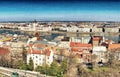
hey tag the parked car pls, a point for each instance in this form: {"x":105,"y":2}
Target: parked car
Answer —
{"x":100,"y":63}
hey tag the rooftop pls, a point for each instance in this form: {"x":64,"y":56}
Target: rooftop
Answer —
{"x":113,"y":46}
{"x":4,"y":51}
{"x":41,"y":52}
{"x":76,"y":44}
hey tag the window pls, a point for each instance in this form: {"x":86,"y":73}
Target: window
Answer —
{"x":47,"y":62}
{"x":40,"y":63}
{"x":36,"y":56}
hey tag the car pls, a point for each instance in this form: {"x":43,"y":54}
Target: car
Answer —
{"x":89,"y":65}
{"x":100,"y":64}
{"x":15,"y":74}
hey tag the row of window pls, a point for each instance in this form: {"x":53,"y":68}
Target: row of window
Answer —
{"x":41,"y":63}
{"x":34,"y":58}
{"x":37,"y":56}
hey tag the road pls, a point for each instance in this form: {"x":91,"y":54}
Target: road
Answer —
{"x":22,"y":73}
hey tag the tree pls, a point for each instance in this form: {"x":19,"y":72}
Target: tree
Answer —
{"x":22,"y":65}
{"x":64,"y":65}
{"x":82,"y":71}
{"x":42,"y":69}
{"x":24,"y":54}
{"x":31,"y":64}
{"x":54,"y":69}
{"x":4,"y":62}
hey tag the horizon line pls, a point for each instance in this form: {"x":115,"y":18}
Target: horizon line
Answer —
{"x":55,"y":21}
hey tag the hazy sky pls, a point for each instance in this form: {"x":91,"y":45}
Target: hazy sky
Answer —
{"x":64,"y":10}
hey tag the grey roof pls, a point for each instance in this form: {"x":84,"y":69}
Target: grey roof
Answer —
{"x":41,"y":42}
{"x":38,"y":48}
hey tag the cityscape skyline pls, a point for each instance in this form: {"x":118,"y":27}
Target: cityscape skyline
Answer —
{"x":51,"y":10}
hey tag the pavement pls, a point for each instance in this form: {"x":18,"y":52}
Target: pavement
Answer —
{"x":22,"y":73}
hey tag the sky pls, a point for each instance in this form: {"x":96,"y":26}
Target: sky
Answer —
{"x":60,"y":10}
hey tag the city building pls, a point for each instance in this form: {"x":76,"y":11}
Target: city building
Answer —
{"x":40,"y":54}
{"x":82,"y":51}
{"x":99,"y":51}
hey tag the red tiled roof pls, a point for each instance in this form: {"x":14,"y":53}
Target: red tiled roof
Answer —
{"x":47,"y":52}
{"x":113,"y":46}
{"x":96,"y":39}
{"x":76,"y":44}
{"x":4,"y":51}
{"x":42,"y":52}
{"x":37,"y":45}
{"x":30,"y":45}
{"x":76,"y":49}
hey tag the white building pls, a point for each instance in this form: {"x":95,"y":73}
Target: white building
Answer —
{"x":72,"y":29}
{"x":48,"y":28}
{"x":31,"y":40}
{"x":30,"y":27}
{"x":40,"y":55}
{"x":39,"y":51}
{"x":64,"y":44}
{"x":1,"y":26}
{"x":111,"y":29}
{"x":84,"y":29}
{"x":81,"y":39}
{"x":99,"y":51}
